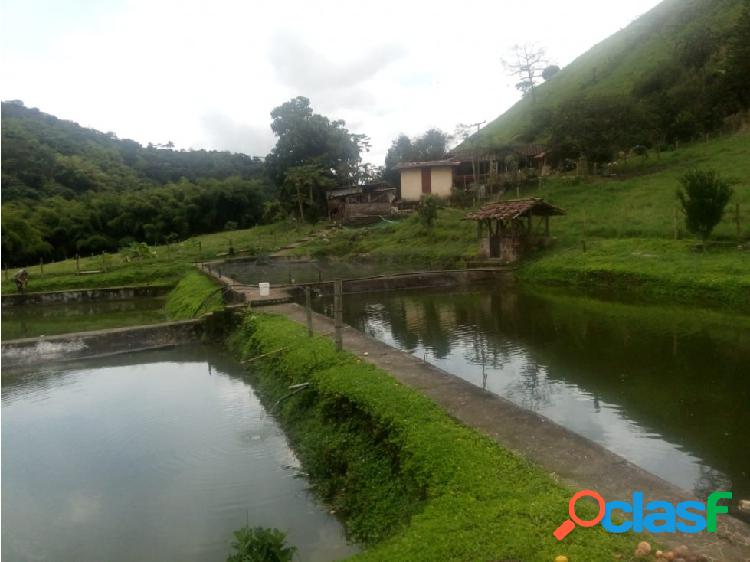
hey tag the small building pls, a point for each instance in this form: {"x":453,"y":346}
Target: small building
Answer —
{"x":426,"y":178}
{"x":361,"y":204}
{"x":510,"y":227}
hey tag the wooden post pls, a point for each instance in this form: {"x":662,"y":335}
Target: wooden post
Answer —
{"x":583,"y":240}
{"x":78,"y":264}
{"x":674,"y":221}
{"x":41,"y":267}
{"x":737,"y":222}
{"x":337,"y":311}
{"x":6,"y":271}
{"x":308,"y":311}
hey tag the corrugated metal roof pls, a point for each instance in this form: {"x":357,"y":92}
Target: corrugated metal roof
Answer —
{"x":430,"y":164}
{"x":508,"y":210}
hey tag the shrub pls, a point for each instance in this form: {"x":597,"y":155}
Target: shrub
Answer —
{"x":703,"y":195}
{"x":260,"y":545}
{"x":461,"y":198}
{"x":428,"y":211}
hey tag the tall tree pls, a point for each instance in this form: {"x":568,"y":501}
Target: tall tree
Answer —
{"x":526,"y":62}
{"x":311,"y":142}
{"x":432,"y":145}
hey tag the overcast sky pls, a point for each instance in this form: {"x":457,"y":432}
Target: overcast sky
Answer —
{"x":206,"y":74}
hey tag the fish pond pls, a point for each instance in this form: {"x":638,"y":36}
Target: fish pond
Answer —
{"x":157,"y":455}
{"x":34,"y":320}
{"x":667,"y":388}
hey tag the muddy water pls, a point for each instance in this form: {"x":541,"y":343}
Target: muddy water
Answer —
{"x":157,"y":456}
{"x":668,"y":388}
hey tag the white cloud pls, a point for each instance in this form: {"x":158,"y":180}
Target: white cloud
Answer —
{"x":207,"y":75}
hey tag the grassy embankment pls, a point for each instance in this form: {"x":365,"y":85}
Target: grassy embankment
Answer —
{"x":166,"y":267}
{"x":195,"y":294}
{"x":409,"y":481}
{"x":627,"y":222}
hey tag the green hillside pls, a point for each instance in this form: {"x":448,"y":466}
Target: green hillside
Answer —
{"x":46,"y":156}
{"x":628,"y":224}
{"x":70,"y":190}
{"x":680,"y":68}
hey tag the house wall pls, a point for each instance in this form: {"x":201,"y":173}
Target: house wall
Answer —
{"x":411,"y":184}
{"x":441,"y":179}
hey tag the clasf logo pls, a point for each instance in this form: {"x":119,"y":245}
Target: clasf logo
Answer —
{"x":655,"y":516}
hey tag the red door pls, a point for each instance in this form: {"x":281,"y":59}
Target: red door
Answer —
{"x":426,"y":180}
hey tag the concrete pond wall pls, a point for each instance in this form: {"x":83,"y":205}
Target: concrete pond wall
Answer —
{"x":82,"y":295}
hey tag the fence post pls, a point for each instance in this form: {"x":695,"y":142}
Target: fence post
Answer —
{"x":737,"y":222}
{"x":337,"y":311}
{"x":41,"y":267}
{"x":6,"y":271}
{"x":583,"y":240}
{"x":78,"y":264}
{"x":308,"y":311}
{"x":674,"y":221}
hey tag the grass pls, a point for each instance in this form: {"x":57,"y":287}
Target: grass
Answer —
{"x":195,"y":294}
{"x":628,"y":223}
{"x":445,"y":244}
{"x":612,"y":67}
{"x":166,"y":267}
{"x":411,"y":482}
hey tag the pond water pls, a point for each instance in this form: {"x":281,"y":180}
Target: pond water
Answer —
{"x":155,"y":456}
{"x":33,"y":320}
{"x":282,"y":272}
{"x":668,"y":388}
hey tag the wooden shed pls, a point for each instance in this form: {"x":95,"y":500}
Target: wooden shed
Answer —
{"x":509,"y":227}
{"x":361,"y":204}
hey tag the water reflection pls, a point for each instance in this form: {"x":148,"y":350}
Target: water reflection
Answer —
{"x":34,"y":320}
{"x":152,"y":456}
{"x":666,"y":388}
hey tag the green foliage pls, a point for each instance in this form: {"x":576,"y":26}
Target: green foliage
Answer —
{"x":454,"y":494}
{"x":428,"y":211}
{"x":629,"y":229}
{"x":446,"y":244}
{"x":737,"y":69}
{"x":160,"y":265}
{"x":260,"y":545}
{"x":69,"y":190}
{"x":432,"y":145}
{"x":686,"y":59}
{"x":194,"y":295}
{"x":137,"y":251}
{"x":597,"y":127}
{"x":703,"y":196}
{"x":311,"y":151}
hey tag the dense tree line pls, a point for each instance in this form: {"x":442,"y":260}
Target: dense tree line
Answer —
{"x":44,"y":155}
{"x":56,"y":227}
{"x":67,"y":189}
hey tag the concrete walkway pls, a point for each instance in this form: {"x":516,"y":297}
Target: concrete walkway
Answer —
{"x":573,"y":459}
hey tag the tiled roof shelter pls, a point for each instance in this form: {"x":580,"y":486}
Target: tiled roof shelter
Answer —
{"x":509,"y":226}
{"x":514,"y":209}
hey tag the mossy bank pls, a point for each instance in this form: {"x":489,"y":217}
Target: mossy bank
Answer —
{"x":195,"y":294}
{"x":410,"y":482}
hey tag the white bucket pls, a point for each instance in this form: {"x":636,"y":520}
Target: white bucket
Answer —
{"x":265,"y":289}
